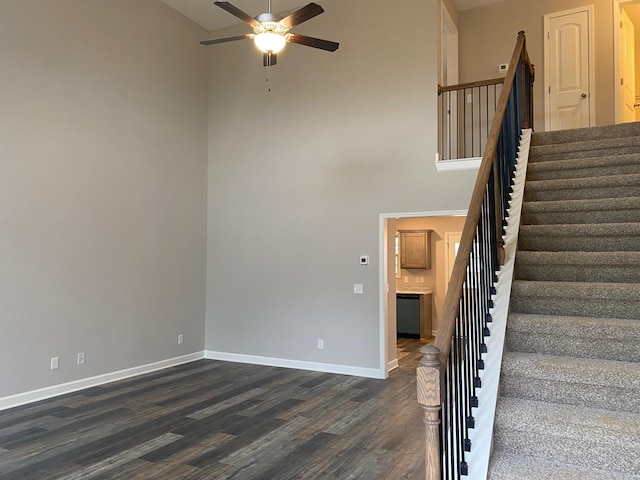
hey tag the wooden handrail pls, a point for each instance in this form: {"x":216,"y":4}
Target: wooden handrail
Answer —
{"x":446,"y":324}
{"x":462,"y":86}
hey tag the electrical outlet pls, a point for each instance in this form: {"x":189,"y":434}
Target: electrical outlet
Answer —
{"x":320,"y":344}
{"x":54,"y":363}
{"x":180,"y":339}
{"x":358,"y":288}
{"x":80,"y":358}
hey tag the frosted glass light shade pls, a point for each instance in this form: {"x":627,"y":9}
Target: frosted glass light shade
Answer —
{"x":270,"y":42}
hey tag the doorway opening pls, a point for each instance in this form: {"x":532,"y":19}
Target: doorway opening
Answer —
{"x":626,"y":41}
{"x":401,"y":284}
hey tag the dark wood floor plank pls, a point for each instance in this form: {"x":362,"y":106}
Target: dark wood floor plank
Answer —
{"x":109,"y":464}
{"x":225,"y":404}
{"x":224,"y":421}
{"x":275,"y":444}
{"x":188,"y":447}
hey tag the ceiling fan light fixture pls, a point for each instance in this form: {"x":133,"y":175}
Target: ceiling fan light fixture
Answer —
{"x":270,"y":42}
{"x":271,"y":31}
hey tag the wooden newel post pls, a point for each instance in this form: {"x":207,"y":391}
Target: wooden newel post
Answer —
{"x":429,"y":377}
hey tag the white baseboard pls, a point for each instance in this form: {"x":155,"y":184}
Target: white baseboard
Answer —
{"x":70,"y":387}
{"x":297,"y":364}
{"x":392,"y":365}
{"x":64,"y":388}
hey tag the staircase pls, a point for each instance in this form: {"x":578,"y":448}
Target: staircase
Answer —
{"x":569,"y":405}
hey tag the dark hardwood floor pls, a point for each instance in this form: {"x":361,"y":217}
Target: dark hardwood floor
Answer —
{"x":215,"y":420}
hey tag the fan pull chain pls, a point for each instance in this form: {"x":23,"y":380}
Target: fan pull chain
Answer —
{"x":268,"y":74}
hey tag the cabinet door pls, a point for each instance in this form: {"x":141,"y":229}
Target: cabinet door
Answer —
{"x":415,"y":249}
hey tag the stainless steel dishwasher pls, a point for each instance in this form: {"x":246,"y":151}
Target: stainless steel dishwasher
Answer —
{"x":408,"y":315}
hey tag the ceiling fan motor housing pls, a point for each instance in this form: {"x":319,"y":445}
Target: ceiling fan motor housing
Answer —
{"x":269,"y":23}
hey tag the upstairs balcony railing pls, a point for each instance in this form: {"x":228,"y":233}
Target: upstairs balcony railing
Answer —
{"x":449,"y":374}
{"x":465,"y":113}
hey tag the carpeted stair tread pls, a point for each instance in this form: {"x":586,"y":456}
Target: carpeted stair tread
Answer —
{"x":594,"y":438}
{"x":607,"y":186}
{"x":588,"y":382}
{"x":588,"y":133}
{"x":520,"y":467}
{"x":585,"y":149}
{"x":581,"y":337}
{"x":622,"y":236}
{"x":615,"y":267}
{"x":600,"y":210}
{"x":584,"y":167}
{"x":615,"y":300}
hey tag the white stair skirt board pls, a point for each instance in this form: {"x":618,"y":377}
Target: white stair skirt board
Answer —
{"x":297,"y":364}
{"x":482,"y":435}
{"x":70,"y":387}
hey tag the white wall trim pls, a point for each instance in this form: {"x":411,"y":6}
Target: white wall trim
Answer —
{"x":482,"y":435}
{"x":392,"y":365}
{"x":297,"y":364}
{"x":70,"y":387}
{"x":439,"y":213}
{"x":382,"y":326}
{"x":472,"y":163}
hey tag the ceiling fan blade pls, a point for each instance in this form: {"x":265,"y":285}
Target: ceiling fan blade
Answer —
{"x":269,"y":59}
{"x":245,"y":17}
{"x":313,"y":42}
{"x":305,"y":13}
{"x":226,"y":39}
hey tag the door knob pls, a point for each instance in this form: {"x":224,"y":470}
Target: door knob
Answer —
{"x":584,"y":95}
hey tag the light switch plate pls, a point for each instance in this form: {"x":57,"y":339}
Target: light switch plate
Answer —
{"x":358,"y":288}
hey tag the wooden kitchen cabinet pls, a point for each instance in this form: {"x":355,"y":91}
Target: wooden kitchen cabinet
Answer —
{"x":415,"y":249}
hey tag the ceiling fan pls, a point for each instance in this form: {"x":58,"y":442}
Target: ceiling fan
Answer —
{"x":271,"y":31}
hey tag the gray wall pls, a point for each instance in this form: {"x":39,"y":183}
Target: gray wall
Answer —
{"x":299,"y":176}
{"x":484,"y":45}
{"x":103,"y":165}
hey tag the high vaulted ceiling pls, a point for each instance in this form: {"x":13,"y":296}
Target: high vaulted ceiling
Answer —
{"x":205,"y":13}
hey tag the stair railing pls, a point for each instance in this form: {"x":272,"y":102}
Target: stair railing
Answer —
{"x":465,"y":113}
{"x":449,"y":372}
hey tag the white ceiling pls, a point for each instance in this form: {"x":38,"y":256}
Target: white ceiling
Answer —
{"x":211,"y":17}
{"x":469,"y":4}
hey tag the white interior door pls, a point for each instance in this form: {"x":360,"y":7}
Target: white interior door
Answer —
{"x":627,"y":68}
{"x":568,"y":69}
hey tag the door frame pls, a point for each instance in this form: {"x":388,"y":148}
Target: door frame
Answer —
{"x":387,"y":280}
{"x":592,"y":77}
{"x":617,"y":111}
{"x":447,"y":255}
{"x":449,"y":65}
{"x":449,"y":49}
